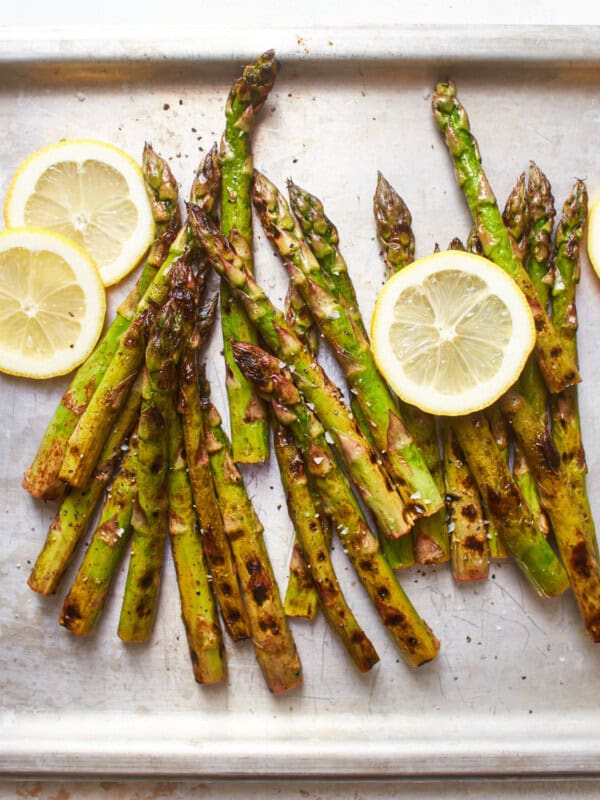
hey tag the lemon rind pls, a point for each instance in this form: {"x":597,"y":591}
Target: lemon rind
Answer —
{"x":425,"y":397}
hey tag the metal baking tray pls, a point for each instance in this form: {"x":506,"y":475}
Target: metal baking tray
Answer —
{"x":516,"y":687}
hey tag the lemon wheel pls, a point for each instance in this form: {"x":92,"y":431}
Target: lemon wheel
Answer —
{"x":451,"y":333}
{"x":91,"y":192}
{"x":52,"y":303}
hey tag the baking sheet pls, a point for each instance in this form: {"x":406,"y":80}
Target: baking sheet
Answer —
{"x":515,"y":688}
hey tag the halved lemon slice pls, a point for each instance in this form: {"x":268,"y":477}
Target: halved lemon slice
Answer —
{"x":52,"y":303}
{"x":451,"y":333}
{"x":593,"y":236}
{"x":92,"y":193}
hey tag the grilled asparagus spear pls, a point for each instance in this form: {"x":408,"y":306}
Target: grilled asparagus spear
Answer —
{"x":249,"y":424}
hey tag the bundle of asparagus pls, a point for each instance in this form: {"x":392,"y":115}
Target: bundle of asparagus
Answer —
{"x":138,"y":419}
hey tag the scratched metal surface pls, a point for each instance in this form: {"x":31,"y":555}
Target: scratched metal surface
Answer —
{"x":515,"y":689}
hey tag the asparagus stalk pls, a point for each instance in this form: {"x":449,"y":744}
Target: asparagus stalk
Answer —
{"x":566,"y":516}
{"x":400,"y":553}
{"x":214,"y":540}
{"x":538,"y":261}
{"x":473,"y":243}
{"x":469,"y":537}
{"x":301,"y":598}
{"x":77,"y":506}
{"x":151,"y":506}
{"x":496,"y":545}
{"x":315,"y":548}
{"x":566,"y":422}
{"x":374,"y":486}
{"x":393,"y":223}
{"x":300,"y":319}
{"x":85,"y":601}
{"x":500,"y":431}
{"x":42,"y":479}
{"x":248,"y":419}
{"x":557,"y":366}
{"x":273,"y":642}
{"x":519,"y":222}
{"x":198,"y":606}
{"x":92,"y":427}
{"x":322,"y":237}
{"x":411,"y":634}
{"x":400,"y":454}
{"x":504,"y":502}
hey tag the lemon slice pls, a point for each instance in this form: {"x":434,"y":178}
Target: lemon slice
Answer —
{"x":593,"y":236}
{"x":451,"y":333}
{"x":52,"y":303}
{"x":90,"y":192}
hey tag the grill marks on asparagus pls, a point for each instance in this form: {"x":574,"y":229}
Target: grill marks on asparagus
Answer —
{"x":504,"y":502}
{"x":78,"y":505}
{"x":85,"y":601}
{"x":273,"y":642}
{"x":312,"y":537}
{"x":528,"y":216}
{"x":469,"y":535}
